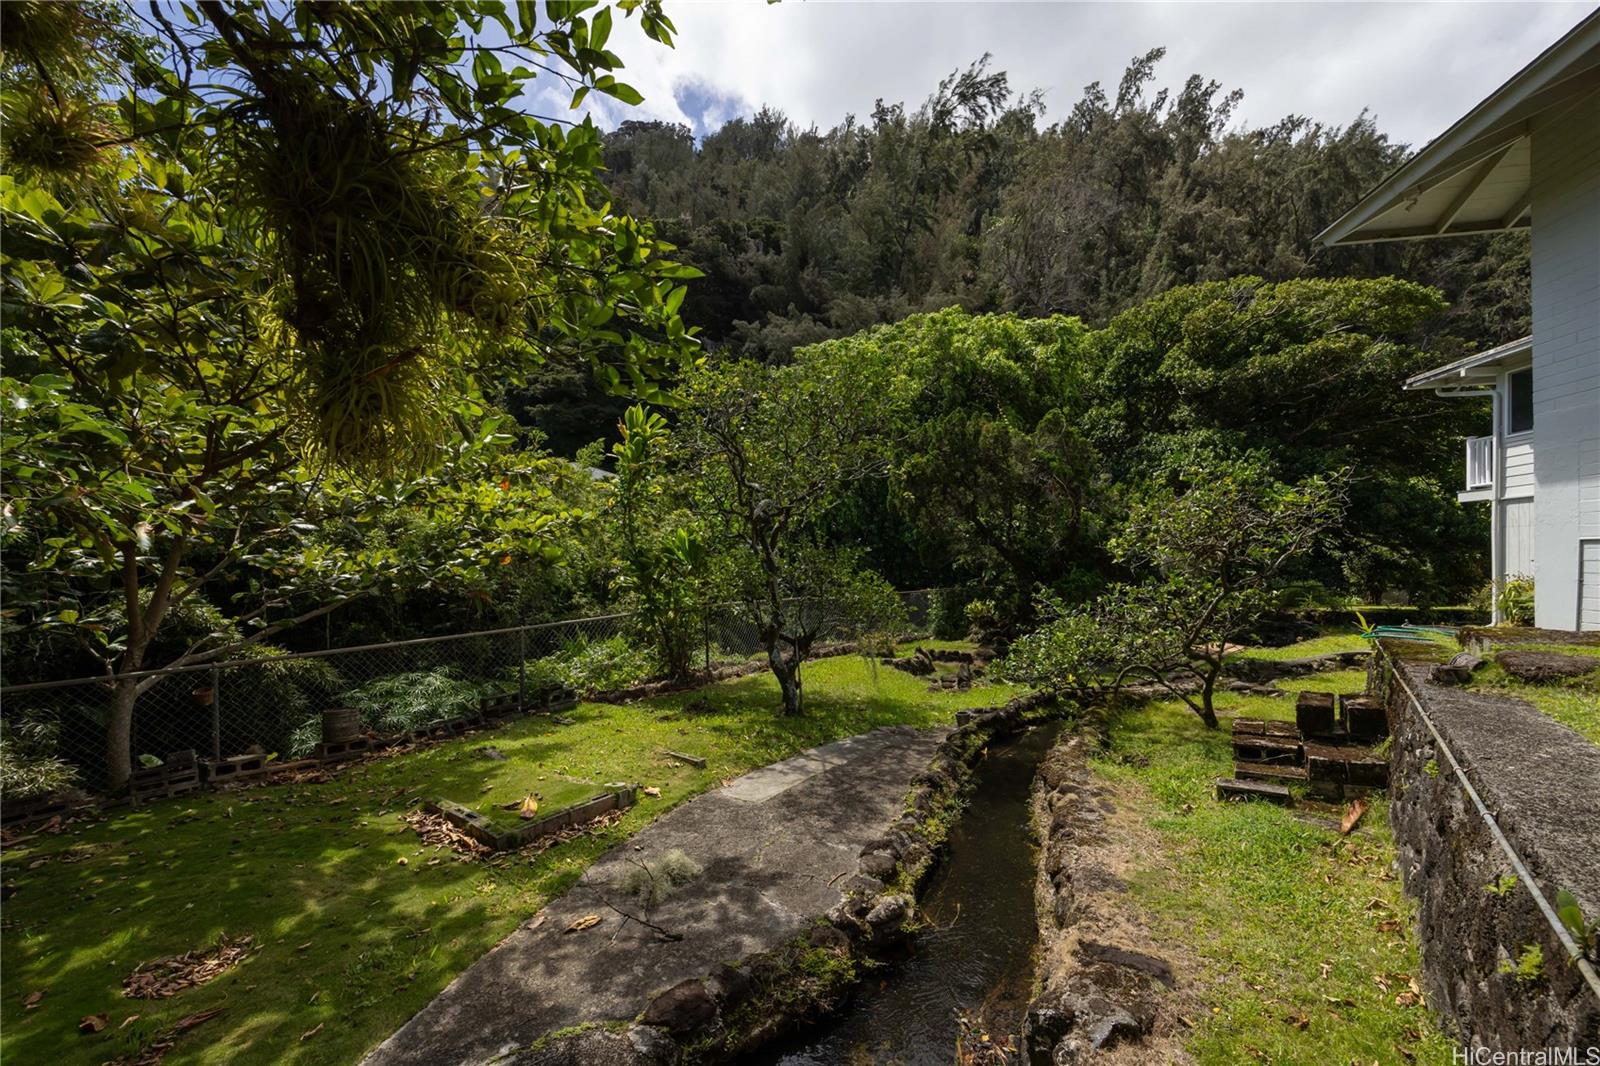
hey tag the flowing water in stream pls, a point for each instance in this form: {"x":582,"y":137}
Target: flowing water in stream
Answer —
{"x":977,"y":960}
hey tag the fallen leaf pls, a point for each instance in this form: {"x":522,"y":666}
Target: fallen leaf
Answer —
{"x":1299,"y":1021}
{"x":33,"y":999}
{"x":189,"y":1021}
{"x":652,"y":791}
{"x":1389,"y":925}
{"x":1352,"y":816}
{"x":588,"y":921}
{"x":402,"y":861}
{"x":530,"y":807}
{"x":309,"y":1033}
{"x":307,"y":944}
{"x":93,"y":1023}
{"x":129,"y":1020}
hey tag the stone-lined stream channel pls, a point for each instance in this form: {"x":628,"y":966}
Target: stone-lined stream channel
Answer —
{"x":977,"y":958}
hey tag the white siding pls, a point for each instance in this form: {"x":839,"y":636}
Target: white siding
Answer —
{"x":1519,"y":527}
{"x":1589,"y":585}
{"x":1566,"y":353}
{"x":1518,"y":477}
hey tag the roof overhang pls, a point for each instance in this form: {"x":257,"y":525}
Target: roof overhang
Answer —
{"x":1476,"y":176}
{"x":1475,"y":370}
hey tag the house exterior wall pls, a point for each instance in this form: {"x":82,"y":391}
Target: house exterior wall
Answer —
{"x":1519,"y":523}
{"x":1517,"y":480}
{"x":1566,"y":352}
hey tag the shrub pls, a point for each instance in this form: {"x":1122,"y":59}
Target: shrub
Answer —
{"x":593,"y":665}
{"x":403,"y":702}
{"x":947,"y":616}
{"x":1515,"y":601}
{"x":29,"y":765}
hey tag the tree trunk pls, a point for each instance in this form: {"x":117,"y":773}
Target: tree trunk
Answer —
{"x":119,"y":733}
{"x":787,"y":671}
{"x":1208,"y":687}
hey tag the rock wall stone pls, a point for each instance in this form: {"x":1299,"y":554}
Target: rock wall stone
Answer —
{"x":1094,"y":993}
{"x":1479,"y":931}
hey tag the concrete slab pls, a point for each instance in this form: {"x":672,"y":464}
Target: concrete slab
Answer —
{"x":773,"y":845}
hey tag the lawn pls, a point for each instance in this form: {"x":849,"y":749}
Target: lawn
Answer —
{"x":351,"y":941}
{"x":1304,"y":938}
{"x":1329,"y":639}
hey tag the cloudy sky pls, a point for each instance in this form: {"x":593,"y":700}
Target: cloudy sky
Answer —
{"x":1417,"y":66}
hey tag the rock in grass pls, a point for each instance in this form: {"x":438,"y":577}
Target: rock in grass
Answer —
{"x":1542,"y":666}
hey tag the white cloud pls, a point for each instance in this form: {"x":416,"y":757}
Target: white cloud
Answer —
{"x":1416,"y":66}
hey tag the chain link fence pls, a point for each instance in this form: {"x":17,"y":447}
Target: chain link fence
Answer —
{"x":273,"y":703}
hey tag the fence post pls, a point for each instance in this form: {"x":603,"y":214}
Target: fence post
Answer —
{"x":216,"y":711}
{"x":522,"y":668}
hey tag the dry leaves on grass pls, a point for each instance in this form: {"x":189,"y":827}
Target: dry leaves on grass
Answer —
{"x":93,"y":1023}
{"x":152,"y":1053}
{"x":437,"y":831}
{"x":168,"y":976}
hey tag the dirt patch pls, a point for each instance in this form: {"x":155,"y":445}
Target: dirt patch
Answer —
{"x":1540,"y":666}
{"x":166,"y":977}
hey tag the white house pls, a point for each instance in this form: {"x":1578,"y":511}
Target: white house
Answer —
{"x":1526,"y":157}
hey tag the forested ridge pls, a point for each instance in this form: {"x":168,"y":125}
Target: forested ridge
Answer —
{"x":977,"y":198}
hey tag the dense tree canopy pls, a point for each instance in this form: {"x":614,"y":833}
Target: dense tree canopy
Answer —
{"x":976,"y":198}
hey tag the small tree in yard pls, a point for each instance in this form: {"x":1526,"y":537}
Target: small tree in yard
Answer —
{"x":1214,"y":546}
{"x":770,"y":450}
{"x":663,"y":551}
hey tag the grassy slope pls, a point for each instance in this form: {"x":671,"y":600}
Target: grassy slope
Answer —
{"x":349,"y":939}
{"x":1293,"y":925}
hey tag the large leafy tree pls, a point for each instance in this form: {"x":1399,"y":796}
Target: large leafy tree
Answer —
{"x":1309,"y":373}
{"x":989,"y":465}
{"x":248,"y":245}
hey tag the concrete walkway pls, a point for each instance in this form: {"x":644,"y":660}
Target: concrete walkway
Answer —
{"x":774,"y":844}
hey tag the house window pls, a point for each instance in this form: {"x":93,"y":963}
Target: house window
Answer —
{"x":1519,"y":409}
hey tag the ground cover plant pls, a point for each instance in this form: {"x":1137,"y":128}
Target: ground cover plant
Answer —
{"x":1304,"y":939}
{"x":356,"y":924}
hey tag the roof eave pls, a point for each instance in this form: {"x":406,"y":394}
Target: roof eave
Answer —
{"x":1473,"y":137}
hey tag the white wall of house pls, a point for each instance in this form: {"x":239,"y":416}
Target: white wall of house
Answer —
{"x":1566,"y":347}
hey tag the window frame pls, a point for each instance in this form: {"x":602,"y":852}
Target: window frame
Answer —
{"x":1509,"y":430}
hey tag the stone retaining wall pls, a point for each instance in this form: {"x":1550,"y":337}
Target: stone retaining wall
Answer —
{"x":1096,"y":990}
{"x":1479,"y":930}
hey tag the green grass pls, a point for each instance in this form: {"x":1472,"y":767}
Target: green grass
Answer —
{"x":348,"y":938}
{"x":1330,"y":639}
{"x":1292,"y":924}
{"x":1572,"y":701}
